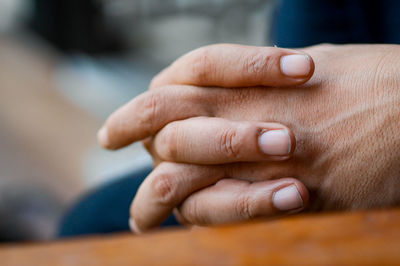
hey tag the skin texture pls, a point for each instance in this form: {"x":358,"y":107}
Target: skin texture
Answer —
{"x":164,"y":189}
{"x":345,"y":119}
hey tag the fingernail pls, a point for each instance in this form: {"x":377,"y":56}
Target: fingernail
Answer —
{"x":288,"y":198}
{"x":296,"y":65}
{"x":133,"y":226}
{"x":102,"y":137}
{"x":275,"y":142}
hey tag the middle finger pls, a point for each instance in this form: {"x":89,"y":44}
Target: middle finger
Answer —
{"x":204,"y":140}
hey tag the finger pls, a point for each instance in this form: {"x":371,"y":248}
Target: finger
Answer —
{"x":237,"y":200}
{"x":216,"y":140}
{"x":149,"y":112}
{"x":180,"y":218}
{"x":230,"y":65}
{"x":165,"y":188}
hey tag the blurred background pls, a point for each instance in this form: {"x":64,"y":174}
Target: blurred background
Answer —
{"x":65,"y":66}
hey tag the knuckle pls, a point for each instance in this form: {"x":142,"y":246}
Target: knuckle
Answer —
{"x":150,"y":107}
{"x":258,"y":63}
{"x":164,"y":188}
{"x":201,"y":67}
{"x":229,"y":143}
{"x":243,"y":207}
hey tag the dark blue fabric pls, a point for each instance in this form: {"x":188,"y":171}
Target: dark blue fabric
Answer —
{"x":106,"y":209}
{"x":300,"y":23}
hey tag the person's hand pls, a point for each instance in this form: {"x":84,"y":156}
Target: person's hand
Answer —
{"x":259,"y":142}
{"x":345,"y":120}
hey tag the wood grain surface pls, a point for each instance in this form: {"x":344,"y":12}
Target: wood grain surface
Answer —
{"x":344,"y":238}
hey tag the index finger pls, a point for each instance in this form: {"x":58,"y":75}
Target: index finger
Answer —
{"x":149,"y":112}
{"x":230,"y":65}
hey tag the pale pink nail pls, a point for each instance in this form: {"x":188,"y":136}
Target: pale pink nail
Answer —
{"x":296,"y":65}
{"x":275,"y":142}
{"x":287,"y":198}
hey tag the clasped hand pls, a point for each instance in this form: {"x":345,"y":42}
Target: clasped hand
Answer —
{"x":240,"y":132}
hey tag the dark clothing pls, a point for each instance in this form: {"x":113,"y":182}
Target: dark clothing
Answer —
{"x":105,"y":209}
{"x":300,"y":23}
